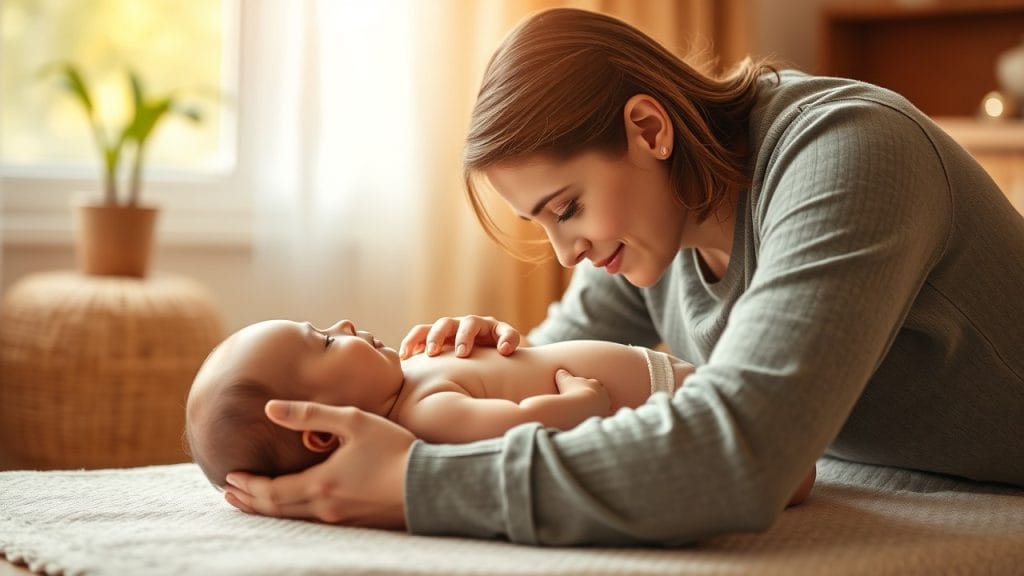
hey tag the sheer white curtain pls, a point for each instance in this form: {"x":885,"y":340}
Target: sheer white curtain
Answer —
{"x":332,"y":161}
{"x":355,"y":117}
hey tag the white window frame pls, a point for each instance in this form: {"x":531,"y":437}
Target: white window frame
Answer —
{"x":209,"y":209}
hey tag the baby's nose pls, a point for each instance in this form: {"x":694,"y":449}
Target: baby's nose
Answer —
{"x":345,"y":326}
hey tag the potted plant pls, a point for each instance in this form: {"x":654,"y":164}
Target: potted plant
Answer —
{"x":115,"y":237}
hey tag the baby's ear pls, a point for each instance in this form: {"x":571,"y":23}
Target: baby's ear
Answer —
{"x":319,"y":441}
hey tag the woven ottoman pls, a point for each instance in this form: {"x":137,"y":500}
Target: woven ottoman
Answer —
{"x":94,"y":370}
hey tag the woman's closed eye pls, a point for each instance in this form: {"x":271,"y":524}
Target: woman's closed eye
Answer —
{"x":571,"y":209}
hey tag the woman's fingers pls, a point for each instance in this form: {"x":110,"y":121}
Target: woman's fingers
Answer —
{"x":473,"y":330}
{"x":361,"y":483}
{"x":506,"y":337}
{"x":414,"y":342}
{"x":249,"y":505}
{"x":441,"y":331}
{"x":298,"y":415}
{"x":464,"y":332}
{"x":237,"y":500}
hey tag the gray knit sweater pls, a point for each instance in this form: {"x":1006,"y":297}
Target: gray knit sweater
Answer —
{"x":873,"y":309}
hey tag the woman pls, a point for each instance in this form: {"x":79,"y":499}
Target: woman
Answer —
{"x":846,"y":278}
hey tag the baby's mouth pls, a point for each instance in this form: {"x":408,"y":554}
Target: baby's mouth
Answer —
{"x":370,"y":339}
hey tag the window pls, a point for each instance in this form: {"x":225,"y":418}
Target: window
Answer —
{"x":174,"y":45}
{"x":48,"y":157}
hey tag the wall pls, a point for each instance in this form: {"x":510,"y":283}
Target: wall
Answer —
{"x":786,"y":29}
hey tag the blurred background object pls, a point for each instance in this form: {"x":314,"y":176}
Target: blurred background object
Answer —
{"x":331,"y":186}
{"x":1010,"y":71}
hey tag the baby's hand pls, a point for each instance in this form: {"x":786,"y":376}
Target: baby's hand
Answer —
{"x":590,"y":391}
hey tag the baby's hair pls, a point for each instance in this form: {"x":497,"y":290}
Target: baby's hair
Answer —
{"x":238,"y":436}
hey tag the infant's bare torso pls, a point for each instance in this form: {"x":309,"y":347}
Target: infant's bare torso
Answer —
{"x":622,"y":370}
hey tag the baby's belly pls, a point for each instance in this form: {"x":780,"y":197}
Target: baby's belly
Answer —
{"x":487,"y":374}
{"x":526,"y":373}
{"x":531,"y":371}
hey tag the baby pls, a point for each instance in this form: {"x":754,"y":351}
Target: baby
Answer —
{"x":440,"y":399}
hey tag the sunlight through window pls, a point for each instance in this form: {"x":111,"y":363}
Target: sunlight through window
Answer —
{"x":185,"y":46}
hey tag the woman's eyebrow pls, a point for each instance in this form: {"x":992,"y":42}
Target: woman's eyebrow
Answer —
{"x":540,"y":204}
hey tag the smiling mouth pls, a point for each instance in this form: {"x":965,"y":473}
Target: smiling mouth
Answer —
{"x":605,"y":262}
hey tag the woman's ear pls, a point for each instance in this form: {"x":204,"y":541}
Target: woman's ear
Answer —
{"x":648,"y":127}
{"x":319,"y":441}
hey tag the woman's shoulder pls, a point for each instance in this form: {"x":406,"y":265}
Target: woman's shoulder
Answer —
{"x":805,"y":119}
{"x":793,"y":100}
{"x":792,"y":91}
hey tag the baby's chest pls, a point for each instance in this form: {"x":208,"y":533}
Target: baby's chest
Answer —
{"x":490,"y":375}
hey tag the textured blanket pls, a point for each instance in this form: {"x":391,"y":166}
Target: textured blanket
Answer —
{"x":168,"y":520}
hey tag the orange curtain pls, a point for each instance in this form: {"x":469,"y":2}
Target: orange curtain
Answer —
{"x":459,"y":269}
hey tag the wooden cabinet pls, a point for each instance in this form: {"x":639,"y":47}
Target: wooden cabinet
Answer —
{"x":941,"y":55}
{"x":998,"y":147}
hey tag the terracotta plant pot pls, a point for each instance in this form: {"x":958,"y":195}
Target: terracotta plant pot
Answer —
{"x":114,"y":240}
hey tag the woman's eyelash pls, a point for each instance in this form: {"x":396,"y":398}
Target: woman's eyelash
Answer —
{"x":572,"y":209}
{"x":327,"y":340}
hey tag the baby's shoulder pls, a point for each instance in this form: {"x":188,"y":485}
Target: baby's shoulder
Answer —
{"x":436,"y":386}
{"x":422,"y":385}
{"x":423,"y":398}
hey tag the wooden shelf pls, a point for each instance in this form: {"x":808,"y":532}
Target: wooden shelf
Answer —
{"x":995,"y":136}
{"x":909,"y":9}
{"x":998,"y":146}
{"x":940,"y":54}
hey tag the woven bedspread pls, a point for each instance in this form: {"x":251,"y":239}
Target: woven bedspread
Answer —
{"x":168,"y":520}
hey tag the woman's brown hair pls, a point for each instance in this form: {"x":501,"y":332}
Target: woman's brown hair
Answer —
{"x":557,"y":86}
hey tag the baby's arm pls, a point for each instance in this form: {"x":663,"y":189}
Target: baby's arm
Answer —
{"x":453,"y":417}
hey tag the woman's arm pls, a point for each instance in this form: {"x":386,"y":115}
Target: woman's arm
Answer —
{"x":858,"y":211}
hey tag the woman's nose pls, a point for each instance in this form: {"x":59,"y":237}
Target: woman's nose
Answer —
{"x":569,"y":251}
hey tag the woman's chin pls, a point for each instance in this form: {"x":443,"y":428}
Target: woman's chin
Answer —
{"x":641,"y":280}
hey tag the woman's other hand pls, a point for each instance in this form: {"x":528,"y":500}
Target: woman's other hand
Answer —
{"x":462,"y":332}
{"x":361,"y":484}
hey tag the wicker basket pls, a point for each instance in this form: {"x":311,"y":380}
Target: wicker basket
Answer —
{"x":94,"y":370}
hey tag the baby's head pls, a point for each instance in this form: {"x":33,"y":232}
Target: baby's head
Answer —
{"x":225,"y":423}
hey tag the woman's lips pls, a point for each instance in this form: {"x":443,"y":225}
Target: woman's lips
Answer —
{"x":612,"y":264}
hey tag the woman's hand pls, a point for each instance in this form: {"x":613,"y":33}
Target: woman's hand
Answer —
{"x":361,"y":484}
{"x":463,"y":332}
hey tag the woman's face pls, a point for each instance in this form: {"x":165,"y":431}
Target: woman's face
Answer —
{"x":619,"y":213}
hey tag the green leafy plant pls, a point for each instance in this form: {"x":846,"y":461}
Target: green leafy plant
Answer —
{"x":148,"y":111}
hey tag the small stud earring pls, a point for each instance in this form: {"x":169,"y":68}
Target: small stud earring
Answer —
{"x":664,"y":152}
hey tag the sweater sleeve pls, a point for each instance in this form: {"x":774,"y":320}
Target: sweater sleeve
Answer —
{"x":854,"y":210}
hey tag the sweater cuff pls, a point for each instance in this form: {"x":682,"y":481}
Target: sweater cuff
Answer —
{"x":455,"y":489}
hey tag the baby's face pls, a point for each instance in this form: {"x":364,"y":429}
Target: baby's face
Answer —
{"x":337,"y":366}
